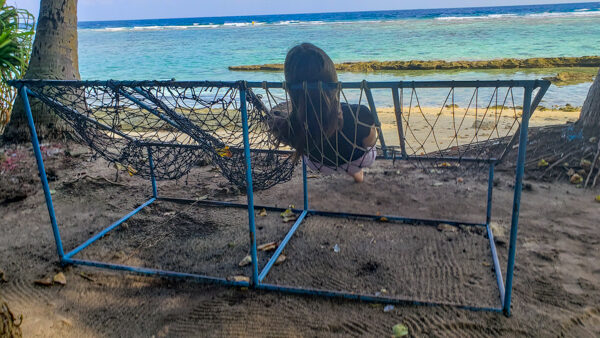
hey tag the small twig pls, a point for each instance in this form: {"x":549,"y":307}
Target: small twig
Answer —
{"x":549,"y":158}
{"x":560,"y":160}
{"x":94,"y":178}
{"x":589,"y":150}
{"x":595,"y":179}
{"x":101,"y":178}
{"x":84,"y":276}
{"x":592,"y":166}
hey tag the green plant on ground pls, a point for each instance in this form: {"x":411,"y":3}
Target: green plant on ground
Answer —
{"x":16,"y":37}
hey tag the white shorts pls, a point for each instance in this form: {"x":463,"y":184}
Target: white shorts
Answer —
{"x":351,"y":168}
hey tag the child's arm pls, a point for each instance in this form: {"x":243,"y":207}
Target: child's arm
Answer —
{"x":367,"y":120}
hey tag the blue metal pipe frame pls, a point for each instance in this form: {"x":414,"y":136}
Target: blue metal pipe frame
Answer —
{"x":40,"y":164}
{"x":373,"y":109}
{"x":520,"y":171}
{"x":505,"y":290}
{"x":249,"y":192}
{"x":151,"y":163}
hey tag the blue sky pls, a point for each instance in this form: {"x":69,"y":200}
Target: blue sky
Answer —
{"x":90,"y":10}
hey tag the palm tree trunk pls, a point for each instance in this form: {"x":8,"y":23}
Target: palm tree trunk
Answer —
{"x":589,"y":120}
{"x":54,"y":56}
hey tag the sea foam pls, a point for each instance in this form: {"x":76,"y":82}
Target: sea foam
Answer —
{"x":576,"y":13}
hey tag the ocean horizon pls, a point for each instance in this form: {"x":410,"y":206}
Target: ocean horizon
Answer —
{"x":461,"y":13}
{"x":202,"y":48}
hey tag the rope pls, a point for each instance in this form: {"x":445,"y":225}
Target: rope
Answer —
{"x":183,"y":126}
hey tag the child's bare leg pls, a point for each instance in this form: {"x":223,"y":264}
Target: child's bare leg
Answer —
{"x":358,"y":176}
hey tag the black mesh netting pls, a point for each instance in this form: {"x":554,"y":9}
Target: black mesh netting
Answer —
{"x":179,"y":125}
{"x":432,"y":126}
{"x":182,"y":124}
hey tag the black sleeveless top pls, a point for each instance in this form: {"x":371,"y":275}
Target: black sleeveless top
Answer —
{"x":345,"y":145}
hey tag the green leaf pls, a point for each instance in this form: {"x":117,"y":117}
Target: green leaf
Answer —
{"x":16,"y":39}
{"x":400,"y":330}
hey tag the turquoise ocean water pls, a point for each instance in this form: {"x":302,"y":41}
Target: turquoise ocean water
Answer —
{"x":203,"y":48}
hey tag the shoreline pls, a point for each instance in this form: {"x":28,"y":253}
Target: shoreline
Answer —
{"x":504,"y":63}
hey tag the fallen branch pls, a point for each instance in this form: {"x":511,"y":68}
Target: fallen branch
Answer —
{"x":94,"y":178}
{"x":592,"y":166}
{"x":561,"y":160}
{"x":595,"y":179}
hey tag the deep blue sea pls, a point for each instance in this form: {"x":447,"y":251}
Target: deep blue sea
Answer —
{"x":202,"y":48}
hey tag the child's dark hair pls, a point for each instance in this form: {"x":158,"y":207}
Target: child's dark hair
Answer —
{"x":315,"y":113}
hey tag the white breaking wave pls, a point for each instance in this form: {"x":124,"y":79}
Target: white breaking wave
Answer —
{"x":531,"y":15}
{"x":481,"y":17}
{"x":296,"y":22}
{"x":112,"y":29}
{"x":151,"y":28}
{"x":237,"y":24}
{"x":584,"y":12}
{"x":199,"y":26}
{"x":492,"y":16}
{"x":559,"y":14}
{"x":288,"y":22}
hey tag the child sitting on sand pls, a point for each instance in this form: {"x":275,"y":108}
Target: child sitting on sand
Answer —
{"x":331,"y":137}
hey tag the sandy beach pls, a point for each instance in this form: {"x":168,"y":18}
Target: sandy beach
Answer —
{"x":557,"y":284}
{"x":555,"y":292}
{"x":426,"y":129}
{"x":431,"y":129}
{"x":424,"y":246}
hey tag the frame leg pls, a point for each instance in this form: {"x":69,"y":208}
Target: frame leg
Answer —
{"x":151,"y":162}
{"x":398,"y":113}
{"x":304,"y":185}
{"x":517,"y":198}
{"x":488,"y":218}
{"x":281,"y":246}
{"x":40,"y":164}
{"x":488,"y":214}
{"x":249,"y":193}
{"x":373,"y":109}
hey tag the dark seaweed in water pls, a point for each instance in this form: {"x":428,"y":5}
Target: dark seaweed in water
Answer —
{"x":507,"y":63}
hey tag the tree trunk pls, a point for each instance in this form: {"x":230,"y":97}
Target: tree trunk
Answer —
{"x":589,"y":120}
{"x":54,"y":56}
